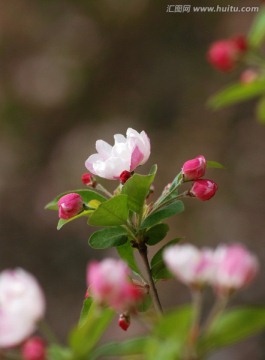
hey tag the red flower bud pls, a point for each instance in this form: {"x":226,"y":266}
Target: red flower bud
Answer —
{"x":34,"y":349}
{"x":195,"y":168}
{"x":70,"y":205}
{"x":224,"y":54}
{"x":124,"y":176}
{"x":203,"y":189}
{"x":124,"y":321}
{"x":88,"y":179}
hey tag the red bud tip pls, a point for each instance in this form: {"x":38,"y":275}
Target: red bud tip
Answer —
{"x":124,"y":322}
{"x":124,"y":176}
{"x":88,"y":179}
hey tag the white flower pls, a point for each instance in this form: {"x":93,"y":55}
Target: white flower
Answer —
{"x":189,"y":264}
{"x":126,"y":154}
{"x":22,"y":304}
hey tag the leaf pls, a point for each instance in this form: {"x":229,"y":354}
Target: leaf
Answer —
{"x":169,"y":349}
{"x":175,"y":324}
{"x":163,"y":213}
{"x":56,"y":352}
{"x":214,"y":164}
{"x":257,"y":31}
{"x":112,"y":212}
{"x":85,"y":310}
{"x":156,"y":233}
{"x":83,"y":338}
{"x":87,"y":195}
{"x":106,"y":238}
{"x":62,"y":222}
{"x":158,"y":267}
{"x":125,"y":348}
{"x":126,"y":252}
{"x":236,"y":93}
{"x":261,"y":110}
{"x":233,"y":326}
{"x":137,"y":189}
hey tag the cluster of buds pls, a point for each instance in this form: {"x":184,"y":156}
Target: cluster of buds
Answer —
{"x":225,"y":54}
{"x":22,"y":305}
{"x":194,"y":169}
{"x":110,"y":285}
{"x":228,"y":268}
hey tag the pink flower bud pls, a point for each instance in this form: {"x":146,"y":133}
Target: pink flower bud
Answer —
{"x":190,"y":265}
{"x":235,"y":267}
{"x":126,"y":154}
{"x":34,"y":349}
{"x":224,"y":54}
{"x":124,"y":321}
{"x":110,"y":284}
{"x":22,"y":305}
{"x":124,"y":176}
{"x":70,"y":205}
{"x":88,"y":179}
{"x":203,"y":189}
{"x":195,"y":168}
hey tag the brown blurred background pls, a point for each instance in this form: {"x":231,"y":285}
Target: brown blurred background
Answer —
{"x":75,"y":71}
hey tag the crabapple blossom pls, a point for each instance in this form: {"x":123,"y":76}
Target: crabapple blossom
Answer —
{"x":109,"y":284}
{"x":194,"y":169}
{"x":224,"y":54}
{"x":126,"y":154}
{"x":34,"y":349}
{"x":236,"y":267}
{"x":22,"y":305}
{"x":203,"y":189}
{"x":70,"y":205}
{"x":190,"y":265}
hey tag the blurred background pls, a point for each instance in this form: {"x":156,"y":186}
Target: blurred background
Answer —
{"x":76,"y":71}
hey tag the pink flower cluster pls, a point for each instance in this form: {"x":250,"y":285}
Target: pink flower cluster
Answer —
{"x":224,"y":54}
{"x":227,"y":268}
{"x":194,"y":169}
{"x":125,"y":155}
{"x":109,"y":284}
{"x":22,"y":305}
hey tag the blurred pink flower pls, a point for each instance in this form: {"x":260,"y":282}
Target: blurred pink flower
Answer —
{"x":236,"y":267}
{"x":190,"y":265}
{"x":70,"y":205}
{"x":126,"y":154}
{"x":195,"y":168}
{"x":109,"y":284}
{"x":22,"y":305}
{"x":203,"y":189}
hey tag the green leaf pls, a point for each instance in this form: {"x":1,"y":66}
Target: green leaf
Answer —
{"x":236,"y":93}
{"x":137,"y":189}
{"x":214,"y":164}
{"x":125,"y":348}
{"x":168,"y":349}
{"x":56,"y":352}
{"x":111,"y":213}
{"x":163,"y":213}
{"x":261,"y":110}
{"x":257,"y":32}
{"x":83,"y":338}
{"x":87,"y":195}
{"x":106,"y":238}
{"x":85,"y":310}
{"x":62,"y":222}
{"x":126,"y":252}
{"x":158,"y":267}
{"x":175,"y":324}
{"x":156,"y":233}
{"x":233,"y":326}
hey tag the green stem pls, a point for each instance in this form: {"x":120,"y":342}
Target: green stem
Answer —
{"x":170,"y":201}
{"x":47,"y":332}
{"x":155,"y":297}
{"x":103,"y":190}
{"x":216,"y":311}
